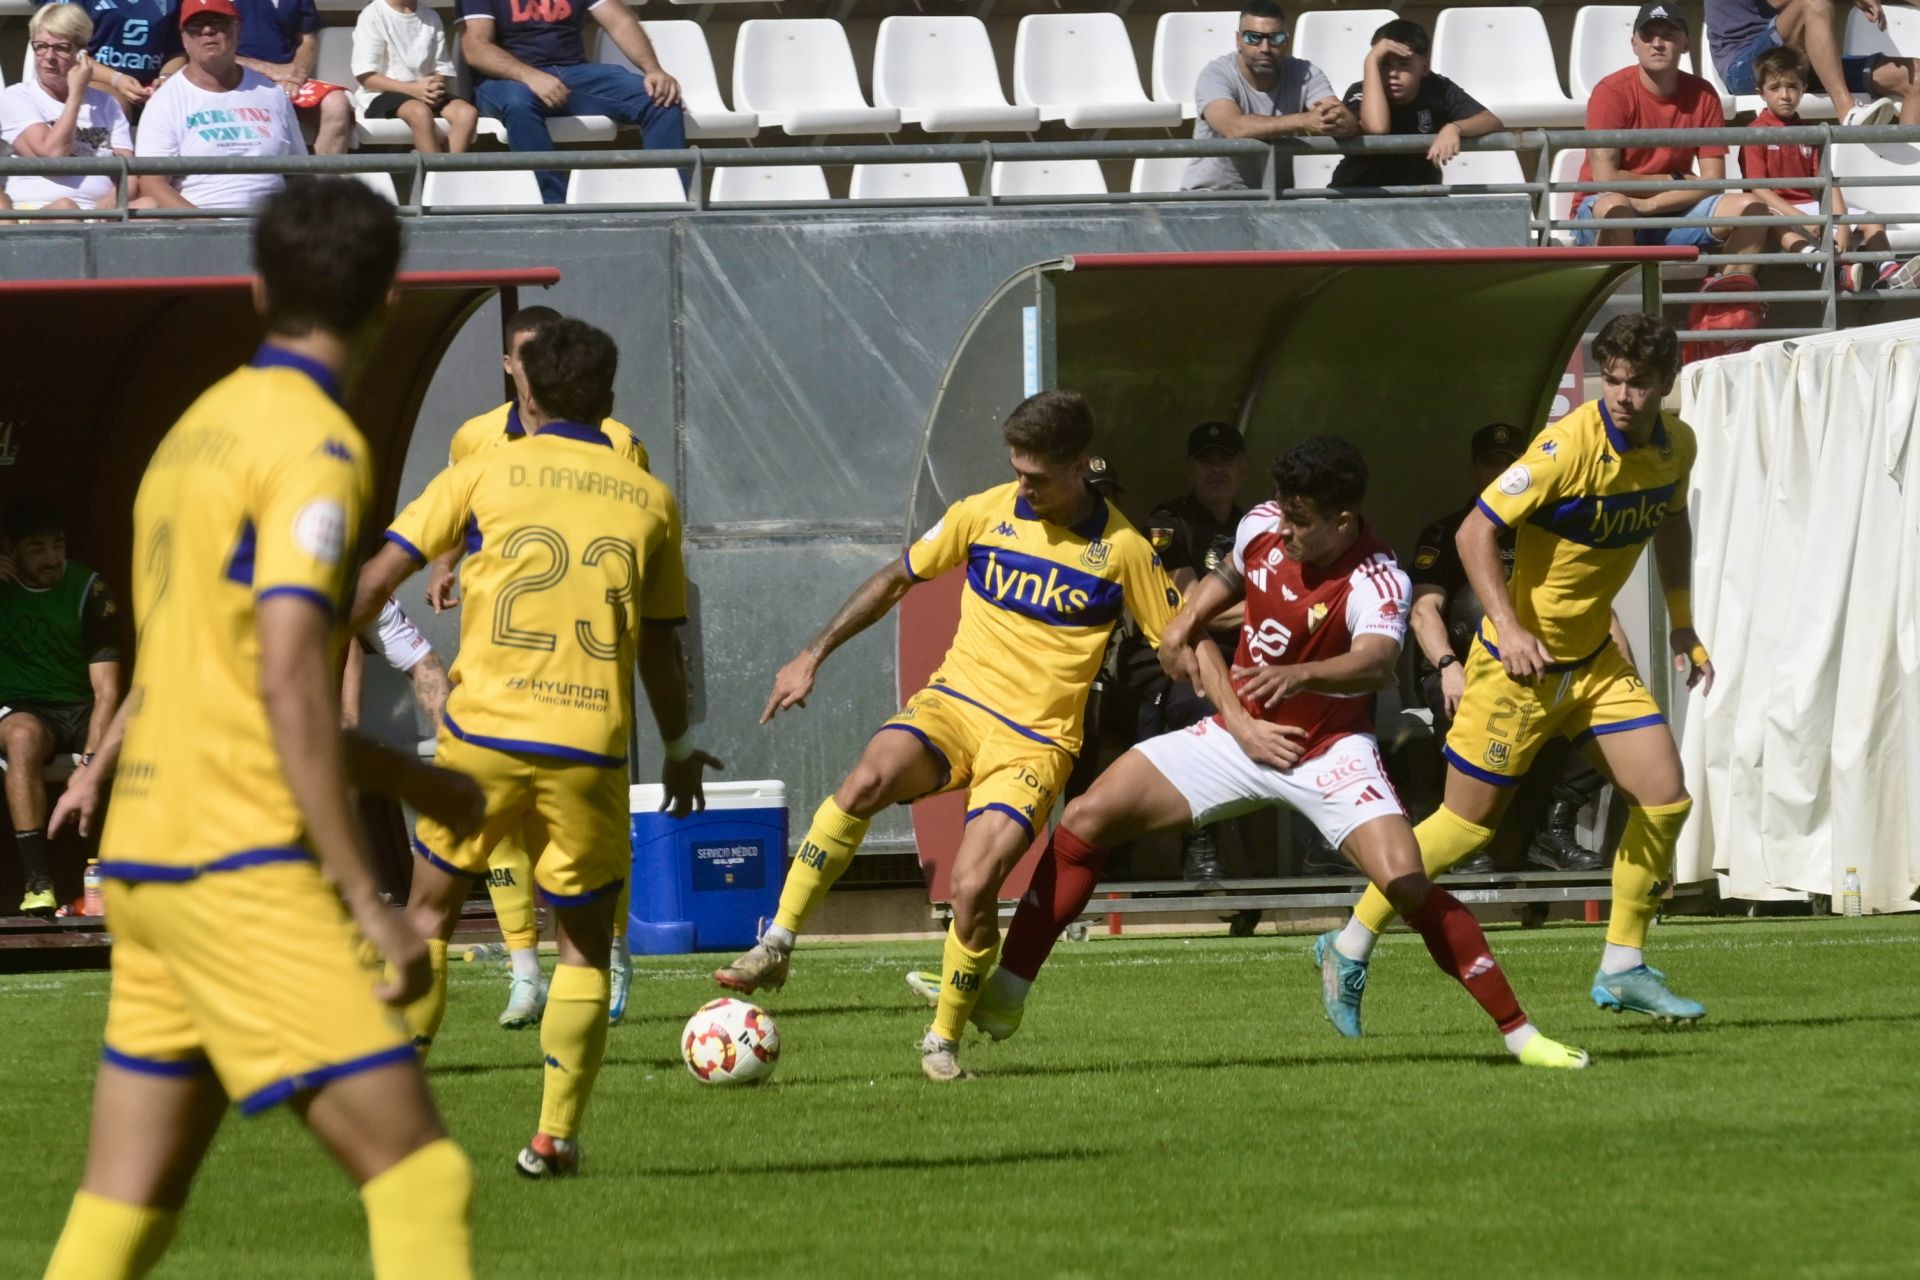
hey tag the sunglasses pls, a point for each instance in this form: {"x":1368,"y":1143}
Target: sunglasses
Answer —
{"x":1254,"y":39}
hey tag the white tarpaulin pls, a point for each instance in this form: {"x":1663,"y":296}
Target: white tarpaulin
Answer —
{"x":1806,"y":517}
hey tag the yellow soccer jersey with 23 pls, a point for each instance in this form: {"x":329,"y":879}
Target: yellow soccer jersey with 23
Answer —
{"x":501,"y":425}
{"x":569,"y":547}
{"x":1039,"y":603}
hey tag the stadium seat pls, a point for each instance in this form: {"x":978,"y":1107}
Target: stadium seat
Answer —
{"x":1160,"y":174}
{"x":562,"y":129}
{"x":1602,"y":44}
{"x":1182,"y":44}
{"x":1314,"y":173}
{"x":797,"y":75}
{"x":1337,"y":42}
{"x":940,"y":74}
{"x":1901,"y":37}
{"x":1504,"y":58}
{"x":380,"y":184}
{"x":1079,"y":68}
{"x":473,"y":187}
{"x":1483,"y":168}
{"x":682,"y":48}
{"x":768,"y":184}
{"x":907,"y":182}
{"x":1889,"y":159}
{"x":1048,"y":178}
{"x":1566,"y":168}
{"x":1741,"y":104}
{"x":625,"y":186}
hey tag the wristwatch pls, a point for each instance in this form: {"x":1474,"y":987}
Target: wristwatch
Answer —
{"x":1447,"y":661}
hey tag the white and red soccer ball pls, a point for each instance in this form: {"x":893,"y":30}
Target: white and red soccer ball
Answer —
{"x":729,"y":1041}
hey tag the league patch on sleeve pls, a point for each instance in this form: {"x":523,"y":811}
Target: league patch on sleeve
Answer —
{"x":1426,"y":557}
{"x":1516,"y":481}
{"x":1160,"y":538}
{"x":933,"y":534}
{"x":320,"y":530}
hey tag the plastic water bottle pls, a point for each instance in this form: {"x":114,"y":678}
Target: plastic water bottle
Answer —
{"x":1850,"y":894}
{"x":92,"y":900}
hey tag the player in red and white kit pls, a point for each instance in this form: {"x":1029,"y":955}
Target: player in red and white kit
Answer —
{"x":1326,"y":613}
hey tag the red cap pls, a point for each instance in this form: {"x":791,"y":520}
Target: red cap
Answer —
{"x":194,"y":8}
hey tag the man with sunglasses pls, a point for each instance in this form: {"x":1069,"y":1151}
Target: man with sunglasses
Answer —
{"x":1259,"y":91}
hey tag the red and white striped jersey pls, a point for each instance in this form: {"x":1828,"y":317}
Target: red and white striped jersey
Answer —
{"x":1296,"y":613}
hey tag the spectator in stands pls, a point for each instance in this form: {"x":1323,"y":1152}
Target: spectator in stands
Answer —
{"x":1782,"y":73}
{"x":216,"y":107}
{"x":1444,"y":619}
{"x":531,"y":63}
{"x":59,"y":674}
{"x":280,"y":39}
{"x":135,"y":46}
{"x":1654,"y":93}
{"x":1257,"y":91}
{"x":405,"y":70}
{"x":1399,"y":93}
{"x":56,"y":112}
{"x":1742,"y":30}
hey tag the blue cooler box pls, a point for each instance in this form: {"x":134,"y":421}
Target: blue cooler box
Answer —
{"x":704,"y":882}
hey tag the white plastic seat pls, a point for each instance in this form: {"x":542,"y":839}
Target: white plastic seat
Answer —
{"x":477,"y":187}
{"x":907,"y":182}
{"x":1854,"y":160}
{"x":625,"y":186}
{"x":940,"y":74}
{"x":1160,"y":173}
{"x":796,"y":74}
{"x":1602,"y":44}
{"x":1504,"y":58}
{"x":1483,"y":168}
{"x":1079,"y":68}
{"x":682,"y":49}
{"x":768,"y":184}
{"x":1739,"y":104}
{"x":1314,"y":173}
{"x":1182,"y":44}
{"x":1336,"y":41}
{"x":1901,"y":38}
{"x":1048,"y":178}
{"x":379,"y":184}
{"x":1566,"y":168}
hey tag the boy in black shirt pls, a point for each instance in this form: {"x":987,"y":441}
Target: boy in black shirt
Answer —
{"x":1399,"y":94}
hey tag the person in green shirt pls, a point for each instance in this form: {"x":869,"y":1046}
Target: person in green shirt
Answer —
{"x":59,"y":674}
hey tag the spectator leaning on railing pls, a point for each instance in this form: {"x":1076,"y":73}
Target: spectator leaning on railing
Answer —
{"x":216,"y":108}
{"x":280,"y":39}
{"x":531,"y":60}
{"x":1654,"y":93}
{"x":1742,"y":30}
{"x":1398,"y":93}
{"x":1257,"y":91}
{"x":405,"y":70}
{"x":56,"y":112}
{"x":135,"y":45}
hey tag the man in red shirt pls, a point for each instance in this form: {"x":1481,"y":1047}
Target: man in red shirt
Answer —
{"x":1656,"y":94}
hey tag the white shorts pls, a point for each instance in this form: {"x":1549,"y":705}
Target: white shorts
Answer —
{"x":1338,"y":790}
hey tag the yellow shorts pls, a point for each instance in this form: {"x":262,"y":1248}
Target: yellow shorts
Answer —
{"x":1002,"y":766}
{"x":575,"y":814}
{"x":253,"y":971}
{"x":1502,"y":724}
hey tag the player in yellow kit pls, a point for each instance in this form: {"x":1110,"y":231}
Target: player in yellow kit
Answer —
{"x":235,"y":878}
{"x":509,"y":866}
{"x":1050,"y":566}
{"x":573,"y":574}
{"x":1591,"y":490}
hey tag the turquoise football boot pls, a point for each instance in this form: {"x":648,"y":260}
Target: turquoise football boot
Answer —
{"x":1342,"y":983}
{"x":1643,"y":990}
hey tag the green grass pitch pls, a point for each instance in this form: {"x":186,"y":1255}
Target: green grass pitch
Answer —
{"x":1172,"y":1107}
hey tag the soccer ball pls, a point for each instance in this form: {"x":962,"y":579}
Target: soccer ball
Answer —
{"x":730,"y":1042}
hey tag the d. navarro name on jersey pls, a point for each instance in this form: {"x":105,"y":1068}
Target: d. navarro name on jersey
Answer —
{"x":1045,"y":590}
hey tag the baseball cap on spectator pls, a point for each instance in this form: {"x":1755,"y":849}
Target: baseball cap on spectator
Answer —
{"x":1498,"y":440}
{"x":1660,"y":11}
{"x":190,"y":9}
{"x":1215,"y":437}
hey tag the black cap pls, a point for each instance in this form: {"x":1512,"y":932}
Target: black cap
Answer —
{"x":1660,"y":11}
{"x":1209,"y":436}
{"x":1499,"y":438}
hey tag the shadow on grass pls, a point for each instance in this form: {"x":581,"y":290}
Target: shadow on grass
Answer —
{"x":878,"y":1164}
{"x":634,"y":1019}
{"x":1813,"y":1020}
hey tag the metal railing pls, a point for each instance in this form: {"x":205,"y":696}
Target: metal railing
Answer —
{"x":1547,"y":222}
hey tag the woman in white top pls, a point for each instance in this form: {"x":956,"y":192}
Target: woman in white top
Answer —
{"x":55,"y":113}
{"x":401,"y":59}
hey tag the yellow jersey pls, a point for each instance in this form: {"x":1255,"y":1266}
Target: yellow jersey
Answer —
{"x":569,"y":547}
{"x":502,"y":426}
{"x":1039,"y":603}
{"x":256,"y":491}
{"x":1581,"y":503}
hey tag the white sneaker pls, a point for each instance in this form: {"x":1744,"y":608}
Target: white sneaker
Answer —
{"x":940,"y":1058}
{"x":620,"y":977}
{"x":1879,"y":111}
{"x":763,"y":965}
{"x":526,"y":1002}
{"x":1907,"y":277}
{"x":927,"y":985}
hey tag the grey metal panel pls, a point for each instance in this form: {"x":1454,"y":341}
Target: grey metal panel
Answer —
{"x":1404,"y":222}
{"x":42,"y":255}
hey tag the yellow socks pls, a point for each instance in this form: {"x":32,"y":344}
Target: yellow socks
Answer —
{"x":510,"y":885}
{"x":423,"y":1016}
{"x":1641,"y":867}
{"x":417,"y":1216}
{"x":107,"y":1240}
{"x":826,"y":852}
{"x":1445,"y":838}
{"x":961,"y":973}
{"x":573,"y":1036}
